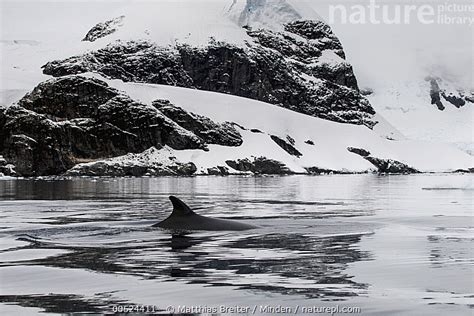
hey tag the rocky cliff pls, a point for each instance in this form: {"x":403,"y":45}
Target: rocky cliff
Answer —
{"x":301,"y":68}
{"x":74,"y":119}
{"x":440,"y":96}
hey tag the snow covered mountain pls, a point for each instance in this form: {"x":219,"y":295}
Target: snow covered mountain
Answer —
{"x":397,"y":62}
{"x":126,"y":99}
{"x":428,"y":109}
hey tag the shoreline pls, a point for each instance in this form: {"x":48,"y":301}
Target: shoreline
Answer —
{"x":237,"y":175}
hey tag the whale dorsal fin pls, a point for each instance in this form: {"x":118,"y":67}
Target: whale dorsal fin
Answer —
{"x":179,"y":207}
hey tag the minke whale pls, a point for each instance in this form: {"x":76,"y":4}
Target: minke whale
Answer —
{"x":184,"y":219}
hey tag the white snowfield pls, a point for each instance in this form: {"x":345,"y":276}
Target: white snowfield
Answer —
{"x":331,"y":139}
{"x":407,"y":104}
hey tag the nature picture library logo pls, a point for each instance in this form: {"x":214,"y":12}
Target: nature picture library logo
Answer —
{"x":444,"y":12}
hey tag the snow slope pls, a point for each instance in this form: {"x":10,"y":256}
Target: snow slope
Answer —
{"x":331,"y":139}
{"x":407,"y":105}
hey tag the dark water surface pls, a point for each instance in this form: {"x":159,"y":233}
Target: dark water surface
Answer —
{"x":385,"y":244}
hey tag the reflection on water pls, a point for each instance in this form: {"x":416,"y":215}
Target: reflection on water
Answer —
{"x":58,"y":303}
{"x":449,"y":250}
{"x":341,"y":239}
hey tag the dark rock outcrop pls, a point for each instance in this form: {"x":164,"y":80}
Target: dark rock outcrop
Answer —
{"x":366,"y":91}
{"x":457,"y":101}
{"x":69,"y":120}
{"x":33,"y":143}
{"x":243,"y":165}
{"x":391,"y":166}
{"x":136,"y":165}
{"x":212,"y":133}
{"x":359,"y":151}
{"x":436,"y":95}
{"x":469,"y":98}
{"x":101,"y":169}
{"x":136,"y":61}
{"x":218,"y":171}
{"x":68,"y":97}
{"x":320,"y":171}
{"x":103,"y":29}
{"x":282,"y":68}
{"x":291,"y":140}
{"x":261,"y":165}
{"x":149,"y":125}
{"x":316,"y":30}
{"x":469,"y":170}
{"x":384,"y":165}
{"x":286,"y":146}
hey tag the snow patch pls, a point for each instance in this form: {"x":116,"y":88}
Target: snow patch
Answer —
{"x":330,"y":58}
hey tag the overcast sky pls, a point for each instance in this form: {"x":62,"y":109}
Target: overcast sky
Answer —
{"x":376,"y":51}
